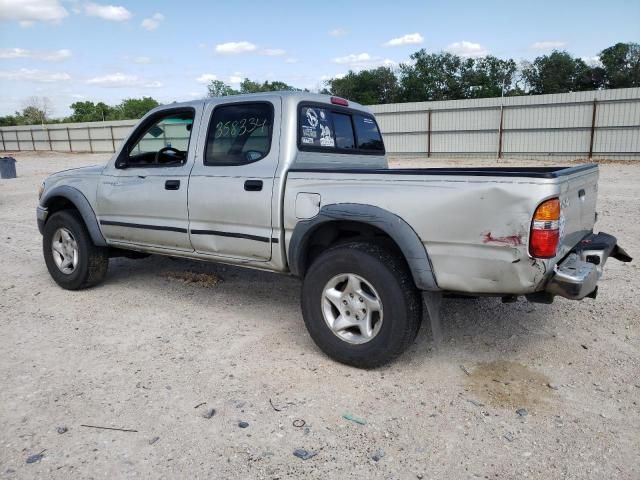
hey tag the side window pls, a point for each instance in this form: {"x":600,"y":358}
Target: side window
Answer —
{"x":239,"y":133}
{"x":344,"y":131}
{"x":368,"y":134}
{"x":164,"y":142}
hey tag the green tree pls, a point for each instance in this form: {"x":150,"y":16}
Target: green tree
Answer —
{"x":558,"y":72}
{"x":621,"y":65}
{"x":217,"y":88}
{"x":132,"y":108}
{"x":368,"y":87}
{"x":9,"y":120}
{"x":250,"y":86}
{"x":488,"y":77}
{"x":432,"y":76}
{"x":91,"y":112}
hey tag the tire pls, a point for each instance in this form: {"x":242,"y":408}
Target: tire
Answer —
{"x":380,"y":274}
{"x":90,"y":262}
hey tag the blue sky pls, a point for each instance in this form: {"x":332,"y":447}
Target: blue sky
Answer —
{"x":69,"y":50}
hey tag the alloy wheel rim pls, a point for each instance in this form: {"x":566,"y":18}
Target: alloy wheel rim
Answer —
{"x":64,"y":249}
{"x":352,"y":309}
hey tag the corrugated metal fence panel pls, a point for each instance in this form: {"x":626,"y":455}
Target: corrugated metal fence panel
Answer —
{"x":532,"y":126}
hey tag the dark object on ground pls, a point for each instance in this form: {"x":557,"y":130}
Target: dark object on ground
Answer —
{"x":62,"y":429}
{"x":200,"y":404}
{"x":209,"y":413}
{"x":243,"y":424}
{"x":304,"y":454}
{"x":7,"y":167}
{"x":299,"y":423}
{"x":153,"y":440}
{"x":274,"y":407}
{"x":36,"y":457}
{"x":351,"y":418}
{"x":377,"y":456}
{"x":110,"y":428}
{"x":522,"y":412}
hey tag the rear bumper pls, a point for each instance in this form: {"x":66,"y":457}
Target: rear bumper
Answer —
{"x":577,"y":275}
{"x":41,"y":215}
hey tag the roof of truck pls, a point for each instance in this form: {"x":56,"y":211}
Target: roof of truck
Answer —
{"x":295,"y":95}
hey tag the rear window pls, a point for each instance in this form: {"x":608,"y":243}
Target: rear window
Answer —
{"x":338,"y":130}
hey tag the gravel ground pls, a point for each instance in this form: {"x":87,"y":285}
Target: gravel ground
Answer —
{"x":163,"y":342}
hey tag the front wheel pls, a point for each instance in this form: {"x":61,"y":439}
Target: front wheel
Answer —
{"x":360,"y":304}
{"x":72,"y":259}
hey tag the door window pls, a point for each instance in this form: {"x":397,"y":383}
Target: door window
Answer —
{"x":239,"y":134}
{"x":162,"y":142}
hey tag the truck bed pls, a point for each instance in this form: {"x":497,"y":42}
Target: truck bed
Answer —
{"x":473,"y":222}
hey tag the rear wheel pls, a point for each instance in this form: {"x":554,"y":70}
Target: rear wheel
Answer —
{"x":360,"y":304}
{"x":72,"y":259}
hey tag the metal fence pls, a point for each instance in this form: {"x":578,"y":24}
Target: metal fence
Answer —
{"x":597,"y":124}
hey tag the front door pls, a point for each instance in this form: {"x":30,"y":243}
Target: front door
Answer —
{"x":142,"y":197}
{"x":231,"y":186}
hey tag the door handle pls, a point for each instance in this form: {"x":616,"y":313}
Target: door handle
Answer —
{"x":253,"y":185}
{"x":172,"y":185}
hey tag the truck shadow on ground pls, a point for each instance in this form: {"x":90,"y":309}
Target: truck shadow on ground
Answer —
{"x":483,"y":323}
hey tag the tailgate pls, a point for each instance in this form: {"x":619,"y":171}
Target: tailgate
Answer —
{"x":578,"y":196}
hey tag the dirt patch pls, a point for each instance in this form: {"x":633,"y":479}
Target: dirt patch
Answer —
{"x":201,"y":279}
{"x":510,"y":385}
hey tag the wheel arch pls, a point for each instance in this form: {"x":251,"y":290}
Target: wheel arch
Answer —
{"x":66,"y":197}
{"x":326,"y":229}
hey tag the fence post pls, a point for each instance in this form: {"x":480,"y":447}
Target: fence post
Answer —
{"x":4,"y":148}
{"x":593,"y":128}
{"x":500,"y":132}
{"x":49,"y":139}
{"x":89,"y":135}
{"x":69,"y":140}
{"x":113,"y":142}
{"x":33,"y":143}
{"x":17,"y":139}
{"x":429,"y":134}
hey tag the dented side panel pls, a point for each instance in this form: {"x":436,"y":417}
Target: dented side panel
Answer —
{"x":475,"y":229}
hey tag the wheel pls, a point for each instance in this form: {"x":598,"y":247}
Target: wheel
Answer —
{"x":72,"y":259}
{"x":360,"y":304}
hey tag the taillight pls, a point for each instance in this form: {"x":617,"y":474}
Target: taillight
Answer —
{"x":545,"y":229}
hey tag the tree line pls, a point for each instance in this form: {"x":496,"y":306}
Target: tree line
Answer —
{"x":426,"y":77}
{"x":37,"y":110}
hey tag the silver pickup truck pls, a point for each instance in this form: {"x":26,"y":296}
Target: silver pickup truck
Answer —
{"x":298,"y":183}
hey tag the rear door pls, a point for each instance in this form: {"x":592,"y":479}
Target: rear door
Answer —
{"x":578,"y":196}
{"x":231,"y":184}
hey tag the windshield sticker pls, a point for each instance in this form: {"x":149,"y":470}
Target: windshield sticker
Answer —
{"x":368,"y":120}
{"x":309,"y":132}
{"x":312,"y":117}
{"x":326,"y":140}
{"x":307,"y":140}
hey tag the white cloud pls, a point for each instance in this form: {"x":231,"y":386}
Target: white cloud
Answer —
{"x":231,"y":48}
{"x":408,"y":39}
{"x":291,"y":60}
{"x":547,"y":45}
{"x":467,"y":49}
{"x":46,"y":55}
{"x":273,"y":52}
{"x":28,"y":11}
{"x":120,"y":80}
{"x":592,"y":61}
{"x":206,"y":78}
{"x":338,"y":32}
{"x":25,"y":74}
{"x":236,"y":78}
{"x":153,"y":22}
{"x":363,"y":60}
{"x":113,"y":13}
